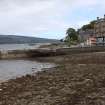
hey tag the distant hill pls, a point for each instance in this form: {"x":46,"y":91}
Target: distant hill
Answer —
{"x":12,"y":39}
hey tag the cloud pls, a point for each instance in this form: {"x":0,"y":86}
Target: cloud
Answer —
{"x":38,"y":17}
{"x":30,"y":18}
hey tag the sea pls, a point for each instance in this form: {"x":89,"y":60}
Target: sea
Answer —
{"x":13,"y":68}
{"x":19,"y":46}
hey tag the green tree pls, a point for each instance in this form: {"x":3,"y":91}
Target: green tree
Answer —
{"x":88,"y":26}
{"x":72,"y":36}
{"x":61,"y":40}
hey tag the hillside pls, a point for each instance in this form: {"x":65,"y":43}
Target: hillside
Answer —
{"x":12,"y":39}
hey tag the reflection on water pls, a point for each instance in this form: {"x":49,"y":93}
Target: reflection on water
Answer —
{"x":15,"y":68}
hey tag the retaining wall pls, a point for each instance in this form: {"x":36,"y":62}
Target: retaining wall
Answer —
{"x":48,"y":52}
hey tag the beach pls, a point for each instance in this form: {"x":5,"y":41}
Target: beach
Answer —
{"x":77,"y":80}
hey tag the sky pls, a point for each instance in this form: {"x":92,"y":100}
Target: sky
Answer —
{"x":47,"y":18}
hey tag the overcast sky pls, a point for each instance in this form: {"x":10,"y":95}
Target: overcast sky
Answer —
{"x":47,"y":18}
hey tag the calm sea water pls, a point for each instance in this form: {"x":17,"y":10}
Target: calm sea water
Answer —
{"x":10,"y":69}
{"x":6,"y":47}
{"x":18,"y":46}
{"x":15,"y":68}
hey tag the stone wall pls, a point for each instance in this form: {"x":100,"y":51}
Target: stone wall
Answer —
{"x":48,"y":52}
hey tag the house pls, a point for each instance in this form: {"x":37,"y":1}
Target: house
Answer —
{"x":99,"y":30}
{"x":84,"y":35}
{"x":95,"y":35}
{"x":91,"y":41}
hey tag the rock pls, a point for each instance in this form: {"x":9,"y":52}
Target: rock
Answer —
{"x":25,"y":94}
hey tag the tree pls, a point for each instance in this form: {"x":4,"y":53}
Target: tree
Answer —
{"x":72,"y":35}
{"x":61,"y":40}
{"x":88,"y":26}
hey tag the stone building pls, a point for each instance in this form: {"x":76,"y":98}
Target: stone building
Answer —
{"x":97,"y":33}
{"x":99,"y":30}
{"x":84,"y":35}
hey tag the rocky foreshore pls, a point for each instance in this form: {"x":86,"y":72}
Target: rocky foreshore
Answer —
{"x":78,"y":80}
